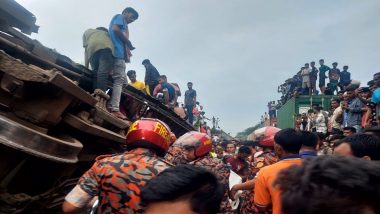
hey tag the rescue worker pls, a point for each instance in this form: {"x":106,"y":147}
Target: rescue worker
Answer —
{"x":196,"y":148}
{"x":117,"y":179}
{"x":265,"y":138}
{"x":175,"y":155}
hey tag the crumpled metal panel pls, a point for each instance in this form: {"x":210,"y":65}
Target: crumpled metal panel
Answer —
{"x":20,"y":137}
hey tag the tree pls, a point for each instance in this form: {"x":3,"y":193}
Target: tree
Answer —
{"x":244,"y":134}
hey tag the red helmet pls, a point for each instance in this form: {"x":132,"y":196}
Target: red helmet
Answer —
{"x":201,"y":142}
{"x":265,"y":135}
{"x":150,"y":133}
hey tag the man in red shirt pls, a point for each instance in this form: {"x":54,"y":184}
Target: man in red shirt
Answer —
{"x":239,"y":162}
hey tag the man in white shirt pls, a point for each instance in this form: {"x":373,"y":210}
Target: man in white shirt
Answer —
{"x":336,"y":119}
{"x":305,"y":74}
{"x":320,"y":120}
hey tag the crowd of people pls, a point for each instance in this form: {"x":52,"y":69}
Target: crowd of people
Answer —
{"x":352,"y":106}
{"x":352,"y":110}
{"x":192,"y":174}
{"x":294,"y":170}
{"x":305,"y":81}
{"x":108,"y":51}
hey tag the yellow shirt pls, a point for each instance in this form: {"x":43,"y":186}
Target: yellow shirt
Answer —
{"x":137,"y":85}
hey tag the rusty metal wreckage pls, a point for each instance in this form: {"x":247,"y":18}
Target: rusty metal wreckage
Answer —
{"x":52,"y":125}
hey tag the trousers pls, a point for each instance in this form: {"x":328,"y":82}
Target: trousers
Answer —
{"x":119,"y":79}
{"x":102,"y":64}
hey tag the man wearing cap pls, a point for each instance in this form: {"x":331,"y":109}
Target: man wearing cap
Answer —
{"x":151,"y":76}
{"x":117,"y":179}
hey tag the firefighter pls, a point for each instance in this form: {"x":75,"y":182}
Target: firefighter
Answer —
{"x":117,"y":179}
{"x":196,"y":148}
{"x":265,"y":138}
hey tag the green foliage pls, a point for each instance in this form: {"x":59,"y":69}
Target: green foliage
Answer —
{"x":244,"y":134}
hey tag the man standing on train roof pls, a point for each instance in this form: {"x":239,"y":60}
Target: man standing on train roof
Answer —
{"x":98,"y":52}
{"x":334,"y":76}
{"x":322,"y":75}
{"x":119,"y":34}
{"x":313,"y":78}
{"x":151,"y":76}
{"x":345,"y":78}
{"x":190,"y":101}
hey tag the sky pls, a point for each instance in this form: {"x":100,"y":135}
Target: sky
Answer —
{"x":235,"y":52}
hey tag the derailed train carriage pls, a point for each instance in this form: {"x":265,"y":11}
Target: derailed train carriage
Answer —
{"x":52,"y":125}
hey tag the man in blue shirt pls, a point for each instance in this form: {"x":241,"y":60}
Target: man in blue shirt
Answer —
{"x":168,"y":91}
{"x":119,"y":35}
{"x":354,"y":110}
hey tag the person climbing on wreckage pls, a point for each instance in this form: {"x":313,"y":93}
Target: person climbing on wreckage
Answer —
{"x":107,"y":51}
